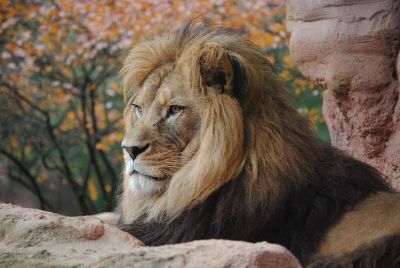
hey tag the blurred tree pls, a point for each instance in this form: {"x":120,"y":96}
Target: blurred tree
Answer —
{"x":60,"y":108}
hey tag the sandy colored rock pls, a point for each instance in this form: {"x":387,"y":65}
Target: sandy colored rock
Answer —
{"x":352,"y":49}
{"x":35,"y":238}
{"x":206,"y":253}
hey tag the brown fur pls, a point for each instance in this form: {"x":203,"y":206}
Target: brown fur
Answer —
{"x":379,"y":253}
{"x":362,"y":225}
{"x":252,"y":168}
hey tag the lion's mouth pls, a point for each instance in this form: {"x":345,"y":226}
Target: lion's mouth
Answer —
{"x":148,"y":176}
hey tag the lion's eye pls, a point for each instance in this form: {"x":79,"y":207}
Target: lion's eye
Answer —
{"x":174,"y":109}
{"x":138,"y":110}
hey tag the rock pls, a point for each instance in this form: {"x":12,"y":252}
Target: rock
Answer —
{"x":35,"y":238}
{"x":352,"y":49}
{"x":206,"y":253}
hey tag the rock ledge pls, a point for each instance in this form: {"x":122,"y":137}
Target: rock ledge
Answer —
{"x":35,"y":238}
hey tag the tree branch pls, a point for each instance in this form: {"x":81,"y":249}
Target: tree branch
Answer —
{"x":26,"y":172}
{"x":89,"y":144}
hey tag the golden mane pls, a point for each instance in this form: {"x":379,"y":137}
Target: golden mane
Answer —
{"x":255,"y":135}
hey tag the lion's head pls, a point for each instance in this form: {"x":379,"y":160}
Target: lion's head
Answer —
{"x":204,"y":108}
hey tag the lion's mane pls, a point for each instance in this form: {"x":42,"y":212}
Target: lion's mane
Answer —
{"x":260,"y":173}
{"x":279,"y":143}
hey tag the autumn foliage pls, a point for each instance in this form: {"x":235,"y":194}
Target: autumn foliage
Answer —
{"x":60,"y":102}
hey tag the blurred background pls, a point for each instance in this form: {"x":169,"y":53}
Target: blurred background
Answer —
{"x":60,"y":101}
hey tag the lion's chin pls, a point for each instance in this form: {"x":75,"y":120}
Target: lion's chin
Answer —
{"x":140,"y":184}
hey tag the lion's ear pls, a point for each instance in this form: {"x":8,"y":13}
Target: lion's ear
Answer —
{"x":216,"y":69}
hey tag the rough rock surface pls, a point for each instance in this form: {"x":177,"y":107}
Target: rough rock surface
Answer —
{"x":352,"y":49}
{"x":35,"y":238}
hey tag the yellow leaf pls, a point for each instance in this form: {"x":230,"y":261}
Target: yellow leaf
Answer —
{"x":41,"y":178}
{"x":285,"y":74}
{"x":28,"y":149}
{"x":14,"y":142}
{"x":92,"y":189}
{"x":107,"y":188}
{"x":288,"y":61}
{"x":297,"y":90}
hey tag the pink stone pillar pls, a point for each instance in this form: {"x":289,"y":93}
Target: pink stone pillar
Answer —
{"x":352,"y":49}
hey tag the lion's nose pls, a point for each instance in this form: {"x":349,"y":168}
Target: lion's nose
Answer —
{"x":134,"y":151}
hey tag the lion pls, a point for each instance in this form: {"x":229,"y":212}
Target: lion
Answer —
{"x":214,"y":148}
